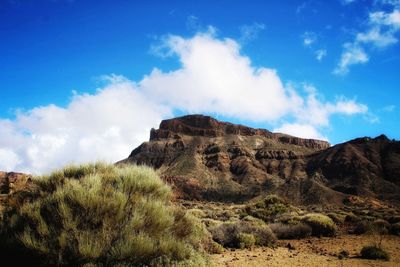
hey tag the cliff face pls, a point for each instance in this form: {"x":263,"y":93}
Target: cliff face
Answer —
{"x":205,"y":126}
{"x":204,"y":158}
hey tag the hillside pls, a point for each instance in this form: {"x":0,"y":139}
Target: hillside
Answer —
{"x":205,"y":159}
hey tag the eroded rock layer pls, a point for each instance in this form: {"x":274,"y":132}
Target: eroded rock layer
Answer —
{"x":206,"y":159}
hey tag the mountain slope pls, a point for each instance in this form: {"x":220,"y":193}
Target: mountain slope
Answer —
{"x":211,"y":160}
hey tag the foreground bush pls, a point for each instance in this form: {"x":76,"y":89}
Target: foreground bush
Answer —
{"x":374,"y":252}
{"x":320,"y":224}
{"x":291,"y":231}
{"x":231,"y":234}
{"x":103,"y":215}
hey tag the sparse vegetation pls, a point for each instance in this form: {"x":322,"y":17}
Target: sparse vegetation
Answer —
{"x":267,"y":208}
{"x":320,"y":224}
{"x":246,"y":240}
{"x":227,"y":234}
{"x":291,"y":231}
{"x":99,"y":214}
{"x":378,"y":226}
{"x":374,"y":252}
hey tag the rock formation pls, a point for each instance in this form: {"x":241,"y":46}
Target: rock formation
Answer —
{"x":203,"y":158}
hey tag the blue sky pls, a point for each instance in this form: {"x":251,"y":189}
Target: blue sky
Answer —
{"x":92,"y":77}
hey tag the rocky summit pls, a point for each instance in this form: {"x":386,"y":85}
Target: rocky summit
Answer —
{"x":206,"y":159}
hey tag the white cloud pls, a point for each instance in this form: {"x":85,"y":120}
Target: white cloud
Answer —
{"x":320,"y":54}
{"x":9,"y":159}
{"x":313,"y":111}
{"x":382,"y":18}
{"x":250,"y":32}
{"x":352,"y":54}
{"x":309,"y":38}
{"x":380,"y":33}
{"x":214,"y":77}
{"x":376,"y":37}
{"x":300,"y":130}
{"x":101,"y":126}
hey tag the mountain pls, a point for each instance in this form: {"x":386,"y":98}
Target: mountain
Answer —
{"x":206,"y":159}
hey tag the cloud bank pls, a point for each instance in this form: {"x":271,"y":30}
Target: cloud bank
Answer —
{"x":214,"y":77}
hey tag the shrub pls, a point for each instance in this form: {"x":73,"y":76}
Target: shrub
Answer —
{"x":395,"y":229}
{"x":362,"y":227}
{"x":374,"y":252}
{"x":272,"y":199}
{"x":336,"y":217}
{"x":210,"y":222}
{"x":320,"y":224}
{"x":381,"y":226}
{"x":350,"y":217}
{"x":376,"y":227}
{"x":99,"y":214}
{"x":245,"y":240}
{"x":265,"y":211}
{"x":291,"y":231}
{"x":197,"y":213}
{"x":226,"y":234}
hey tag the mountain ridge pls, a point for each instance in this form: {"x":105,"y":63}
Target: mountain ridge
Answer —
{"x":205,"y":159}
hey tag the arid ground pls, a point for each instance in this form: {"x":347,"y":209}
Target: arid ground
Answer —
{"x":312,"y":252}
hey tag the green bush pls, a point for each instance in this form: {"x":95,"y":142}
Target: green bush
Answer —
{"x":246,"y":240}
{"x":268,"y":209}
{"x":272,"y":199}
{"x":336,"y":217}
{"x":226,"y":234}
{"x":291,"y":231}
{"x":100,"y":214}
{"x":320,"y":224}
{"x":374,"y":252}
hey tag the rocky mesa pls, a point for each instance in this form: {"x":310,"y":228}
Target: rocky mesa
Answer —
{"x":206,"y":159}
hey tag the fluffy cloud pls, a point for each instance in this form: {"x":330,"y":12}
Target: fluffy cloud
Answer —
{"x":300,"y":130}
{"x":352,"y":54}
{"x":380,"y":33}
{"x":101,"y":126}
{"x":214,"y":77}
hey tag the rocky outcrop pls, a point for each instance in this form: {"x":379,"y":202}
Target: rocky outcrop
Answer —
{"x":203,"y":158}
{"x":13,"y":181}
{"x":205,"y":126}
{"x":11,"y":185}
